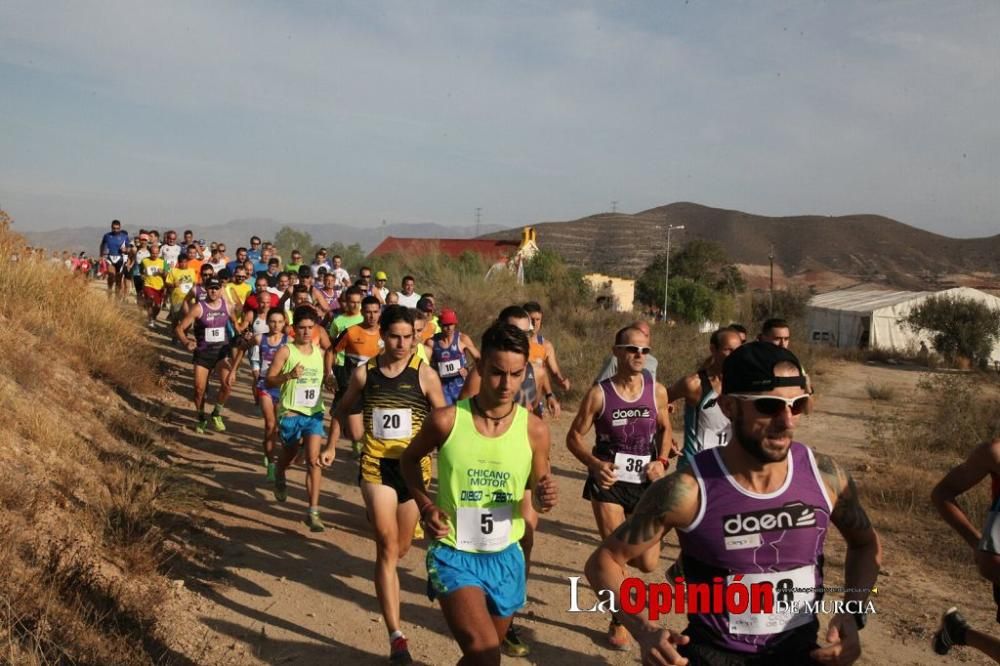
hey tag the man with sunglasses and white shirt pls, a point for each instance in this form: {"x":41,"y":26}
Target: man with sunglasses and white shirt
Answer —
{"x":630,"y":415}
{"x":705,"y":425}
{"x":754,"y":512}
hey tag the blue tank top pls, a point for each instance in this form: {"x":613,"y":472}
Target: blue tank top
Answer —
{"x":776,"y":538}
{"x":447,"y":360}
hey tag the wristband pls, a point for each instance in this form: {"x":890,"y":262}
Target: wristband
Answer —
{"x":663,"y":461}
{"x":550,"y":394}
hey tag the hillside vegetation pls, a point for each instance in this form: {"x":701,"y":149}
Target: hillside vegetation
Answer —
{"x":87,"y":510}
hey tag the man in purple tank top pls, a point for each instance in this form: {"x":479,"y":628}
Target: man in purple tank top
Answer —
{"x":630,"y":415}
{"x":752,"y":514}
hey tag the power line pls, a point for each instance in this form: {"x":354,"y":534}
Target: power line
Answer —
{"x":614,"y":206}
{"x":479,"y":212}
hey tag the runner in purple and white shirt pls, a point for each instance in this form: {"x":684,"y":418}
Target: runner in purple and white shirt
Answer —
{"x":755,"y":511}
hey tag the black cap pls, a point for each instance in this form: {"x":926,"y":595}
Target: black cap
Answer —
{"x":305,"y":271}
{"x":750,"y":369}
{"x":213,"y":283}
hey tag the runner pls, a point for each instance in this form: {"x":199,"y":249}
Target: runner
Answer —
{"x":397,"y":391}
{"x":610,"y":366}
{"x":776,"y":331}
{"x":194,"y":262}
{"x":298,"y":370}
{"x":180,"y":281}
{"x":448,"y":351}
{"x":141,"y":253}
{"x":705,"y":426}
{"x":266,"y":345}
{"x":113,"y":247}
{"x":170,"y":250}
{"x":350,"y":316}
{"x":331,"y":292}
{"x":408,"y":295}
{"x":340,"y":273}
{"x":630,"y":416}
{"x":211,"y":320}
{"x":381,"y":291}
{"x":358,"y":344}
{"x":722,"y":504}
{"x":153,"y":269}
{"x":982,"y":462}
{"x":254,"y":253}
{"x":255,"y":317}
{"x":543,"y":354}
{"x":490,"y":450}
{"x":239,"y":262}
{"x":295,"y":263}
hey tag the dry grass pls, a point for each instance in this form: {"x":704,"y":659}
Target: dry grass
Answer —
{"x":84,"y":502}
{"x":883,"y":392}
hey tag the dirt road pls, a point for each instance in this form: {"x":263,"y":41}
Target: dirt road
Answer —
{"x":274,"y":593}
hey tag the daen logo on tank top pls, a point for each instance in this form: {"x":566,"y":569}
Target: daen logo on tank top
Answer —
{"x":620,"y":417}
{"x":743,"y":530}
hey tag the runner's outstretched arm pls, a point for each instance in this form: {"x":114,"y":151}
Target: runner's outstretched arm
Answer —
{"x":861,"y":565}
{"x":593,"y":403}
{"x":430,"y":384}
{"x":668,"y":503}
{"x":435,"y":431}
{"x":960,"y":479}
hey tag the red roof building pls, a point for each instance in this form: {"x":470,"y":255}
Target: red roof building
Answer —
{"x":491,"y":250}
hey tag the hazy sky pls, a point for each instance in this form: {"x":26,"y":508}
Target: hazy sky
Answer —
{"x":307,"y":112}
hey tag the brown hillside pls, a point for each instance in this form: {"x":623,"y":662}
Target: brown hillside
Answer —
{"x":866,"y":247}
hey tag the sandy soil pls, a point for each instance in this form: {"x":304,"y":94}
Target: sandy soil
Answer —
{"x":271,"y":592}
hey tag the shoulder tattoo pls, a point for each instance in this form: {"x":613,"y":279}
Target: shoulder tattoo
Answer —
{"x":664,"y":496}
{"x":847,"y":514}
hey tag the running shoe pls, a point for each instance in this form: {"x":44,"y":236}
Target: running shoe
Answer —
{"x":399,"y":652}
{"x":314,"y":522}
{"x":280,"y":489}
{"x":151,"y":324}
{"x":271,"y":471}
{"x":618,"y":636}
{"x":218,"y":424}
{"x":951,"y":632}
{"x":201,"y":427}
{"x":512,"y":645}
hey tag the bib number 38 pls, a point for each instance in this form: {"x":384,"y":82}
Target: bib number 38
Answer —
{"x":631,"y":469}
{"x":483,"y":529}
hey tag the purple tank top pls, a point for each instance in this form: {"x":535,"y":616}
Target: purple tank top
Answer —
{"x":624,"y":426}
{"x":267,"y":352}
{"x":776,"y":538}
{"x":211,"y":327}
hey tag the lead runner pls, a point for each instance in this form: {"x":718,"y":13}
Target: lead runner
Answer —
{"x":726,"y":507}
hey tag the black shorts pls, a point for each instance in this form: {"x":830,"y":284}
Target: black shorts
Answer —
{"x":625,"y":494}
{"x":137,"y":283}
{"x":211,"y":357}
{"x":795,"y":649}
{"x":385,"y":472}
{"x":119,"y":265}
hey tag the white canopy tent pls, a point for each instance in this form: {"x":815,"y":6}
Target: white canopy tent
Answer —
{"x":865,"y":318}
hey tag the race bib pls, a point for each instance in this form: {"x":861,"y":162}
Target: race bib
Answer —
{"x":306,"y":396}
{"x":392,"y":423}
{"x":216,"y":334}
{"x":152,"y":270}
{"x":185,"y":287}
{"x":114,"y":258}
{"x":631,"y":469}
{"x":449,"y":368}
{"x":483,"y":529}
{"x":791,"y":586}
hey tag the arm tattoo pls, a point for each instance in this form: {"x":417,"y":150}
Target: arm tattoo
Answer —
{"x":848,"y":514}
{"x":664,"y":496}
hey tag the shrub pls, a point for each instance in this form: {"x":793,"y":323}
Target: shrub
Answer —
{"x":882,"y":392}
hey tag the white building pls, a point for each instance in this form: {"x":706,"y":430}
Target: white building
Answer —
{"x":872,"y":319}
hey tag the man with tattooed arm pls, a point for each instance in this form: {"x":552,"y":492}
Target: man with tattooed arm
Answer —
{"x":753,"y":513}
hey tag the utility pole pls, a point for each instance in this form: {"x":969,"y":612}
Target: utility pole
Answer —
{"x":770,"y":293}
{"x":479,"y":212}
{"x":666,"y":279}
{"x":383,"y":230}
{"x":614,"y":206}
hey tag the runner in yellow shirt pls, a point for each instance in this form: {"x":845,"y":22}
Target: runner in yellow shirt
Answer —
{"x":152,"y":270}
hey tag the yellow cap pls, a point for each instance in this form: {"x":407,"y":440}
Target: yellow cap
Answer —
{"x":381,"y":276}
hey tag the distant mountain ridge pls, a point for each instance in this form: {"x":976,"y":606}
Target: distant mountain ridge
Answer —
{"x":865,"y":247}
{"x":238,"y":232}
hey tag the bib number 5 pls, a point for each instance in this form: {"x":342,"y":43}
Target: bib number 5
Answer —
{"x":484,"y":529}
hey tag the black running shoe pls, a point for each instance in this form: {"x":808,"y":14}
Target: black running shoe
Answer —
{"x":951,"y":632}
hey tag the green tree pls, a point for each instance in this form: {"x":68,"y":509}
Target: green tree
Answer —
{"x":958,"y":326}
{"x":707,"y":263}
{"x":691,"y":301}
{"x":548,"y":267}
{"x":288,"y":239}
{"x":701,"y":263}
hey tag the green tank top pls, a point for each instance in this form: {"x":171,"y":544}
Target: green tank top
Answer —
{"x":481,"y":482}
{"x":304,"y":395}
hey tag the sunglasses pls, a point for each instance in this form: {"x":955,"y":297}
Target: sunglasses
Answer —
{"x":634,"y":349}
{"x":772,"y":404}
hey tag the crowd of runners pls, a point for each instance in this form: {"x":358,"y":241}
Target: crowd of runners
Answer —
{"x":751,"y":505}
